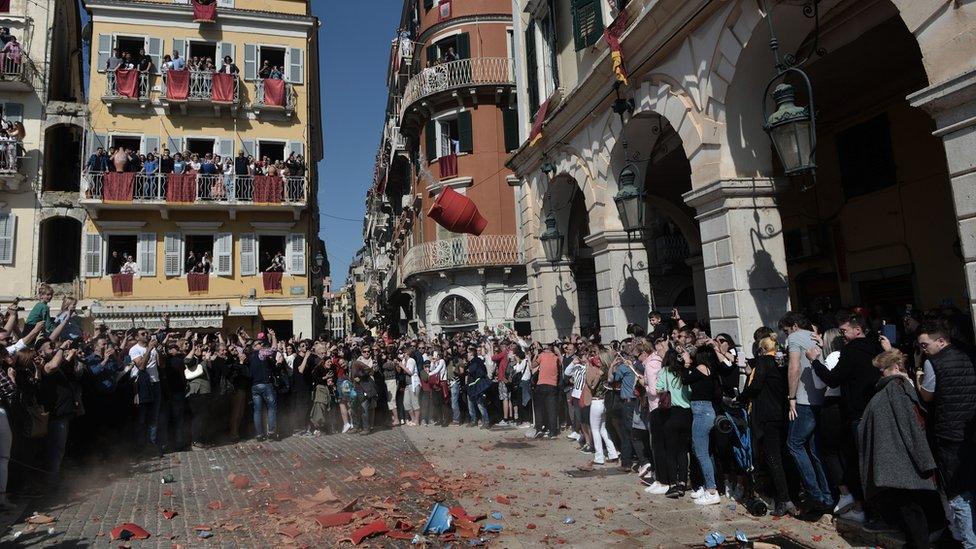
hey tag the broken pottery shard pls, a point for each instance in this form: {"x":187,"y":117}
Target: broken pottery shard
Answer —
{"x":291,"y":531}
{"x":324,"y":495}
{"x":168,"y":515}
{"x":214,"y":505}
{"x":240,"y":482}
{"x":502,"y":500}
{"x":367,"y":472}
{"x":374,"y":528}
{"x":38,"y":518}
{"x":129,"y":530}
{"x":335,"y":519}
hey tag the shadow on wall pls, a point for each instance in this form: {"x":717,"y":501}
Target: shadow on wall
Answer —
{"x":563,"y":317}
{"x":768,"y":288}
{"x":633,"y":301}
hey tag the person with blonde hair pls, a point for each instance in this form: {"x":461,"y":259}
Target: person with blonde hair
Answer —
{"x":597,"y":378}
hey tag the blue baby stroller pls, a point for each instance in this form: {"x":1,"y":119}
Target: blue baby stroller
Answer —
{"x":735,"y":420}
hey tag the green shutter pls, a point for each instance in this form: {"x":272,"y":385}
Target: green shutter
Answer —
{"x":428,"y":4}
{"x":510,"y":125}
{"x":463,"y":46}
{"x":465,"y":133}
{"x":431,"y":54}
{"x":531,"y":68}
{"x":430,"y":140}
{"x":587,"y":23}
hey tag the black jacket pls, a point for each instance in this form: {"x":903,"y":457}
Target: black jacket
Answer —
{"x":954,"y":407}
{"x":240,"y":165}
{"x":766,"y":391}
{"x":854,"y":374}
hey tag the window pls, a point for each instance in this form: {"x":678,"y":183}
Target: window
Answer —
{"x":8,"y":228}
{"x":200,"y":146}
{"x":271,"y":57}
{"x":132,"y":143}
{"x":450,"y":134}
{"x":289,"y":61}
{"x":448,"y":49}
{"x":200,"y":246}
{"x":511,"y":129}
{"x":865,"y":156}
{"x":275,"y":150}
{"x":455,"y":310}
{"x":447,"y":132}
{"x":270,"y":246}
{"x":587,"y":23}
{"x":119,"y":248}
{"x":131,"y":45}
{"x":203,"y":50}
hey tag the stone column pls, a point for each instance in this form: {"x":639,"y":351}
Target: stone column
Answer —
{"x":623,"y":287}
{"x":953,"y":106}
{"x":697,"y":265}
{"x":742,"y":254}
{"x":552,"y":300}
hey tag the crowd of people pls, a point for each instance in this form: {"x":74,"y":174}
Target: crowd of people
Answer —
{"x":845,"y":415}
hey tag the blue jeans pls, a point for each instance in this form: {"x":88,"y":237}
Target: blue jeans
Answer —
{"x":802,"y":445}
{"x":474,"y":406}
{"x":147,"y":419}
{"x":702,"y":421}
{"x":54,"y":443}
{"x":456,"y":401}
{"x":964,"y":518}
{"x":264,"y":393}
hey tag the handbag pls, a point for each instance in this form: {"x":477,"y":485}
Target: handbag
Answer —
{"x":33,"y":419}
{"x":664,"y":397}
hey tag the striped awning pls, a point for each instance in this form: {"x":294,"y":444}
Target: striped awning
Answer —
{"x":125,"y":316}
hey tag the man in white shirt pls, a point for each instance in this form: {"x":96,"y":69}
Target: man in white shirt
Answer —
{"x":149,"y":394}
{"x":411,"y":394}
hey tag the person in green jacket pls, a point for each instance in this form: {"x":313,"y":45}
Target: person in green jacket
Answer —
{"x":42,"y":311}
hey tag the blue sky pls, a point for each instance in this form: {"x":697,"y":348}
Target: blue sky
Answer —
{"x":354,"y":46}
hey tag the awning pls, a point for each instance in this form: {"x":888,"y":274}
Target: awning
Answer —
{"x":123,"y":317}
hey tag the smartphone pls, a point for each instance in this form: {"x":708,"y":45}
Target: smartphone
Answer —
{"x":890,"y":331}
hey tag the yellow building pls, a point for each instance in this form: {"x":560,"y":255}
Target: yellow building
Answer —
{"x":241,"y":221}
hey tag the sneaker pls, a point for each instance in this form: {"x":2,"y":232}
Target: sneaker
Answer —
{"x":643,"y":469}
{"x":586,"y":449}
{"x":573,"y":435}
{"x":853,"y":515}
{"x":844,"y":504}
{"x":876,"y":526}
{"x":598,"y":461}
{"x":540,"y":434}
{"x":709,"y":498}
{"x":502,"y":423}
{"x":346,"y":427}
{"x":676,"y":491}
{"x":550,"y":436}
{"x":695,"y":494}
{"x":316,"y":433}
{"x":657,"y":489}
{"x":784,"y":508}
{"x":525,"y":425}
{"x":647,"y":480}
{"x":259,"y":438}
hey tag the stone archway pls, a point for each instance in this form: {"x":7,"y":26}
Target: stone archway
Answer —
{"x":62,"y":159}
{"x":59,"y":251}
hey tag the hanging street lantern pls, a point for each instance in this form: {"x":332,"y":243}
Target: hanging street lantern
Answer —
{"x":792,"y":130}
{"x":630,"y":199}
{"x":552,"y":241}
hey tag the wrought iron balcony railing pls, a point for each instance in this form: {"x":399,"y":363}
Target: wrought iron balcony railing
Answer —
{"x":264,"y":101}
{"x":480,"y":71}
{"x":204,"y":189}
{"x":11,"y":154}
{"x":16,"y":71}
{"x":462,"y":251}
{"x":112,"y":92}
{"x":201,"y":87}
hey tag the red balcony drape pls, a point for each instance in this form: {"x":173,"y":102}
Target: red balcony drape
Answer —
{"x":122,"y":283}
{"x":118,"y":187}
{"x":127,"y":83}
{"x":223,"y":87}
{"x":272,"y":281}
{"x":274,"y":92}
{"x":198,"y":282}
{"x":448,"y":165}
{"x":181,"y":187}
{"x":268,"y":189}
{"x":204,"y":11}
{"x":177,"y":85}
{"x":457,"y":213}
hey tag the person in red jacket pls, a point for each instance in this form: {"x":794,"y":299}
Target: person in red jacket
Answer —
{"x":500,"y":358}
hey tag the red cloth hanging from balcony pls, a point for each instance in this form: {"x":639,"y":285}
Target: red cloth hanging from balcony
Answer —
{"x":204,"y":11}
{"x":274,"y":92}
{"x":181,"y":187}
{"x":268,"y":189}
{"x":122,"y":284}
{"x":444,"y":10}
{"x":457,"y":213}
{"x":272,"y":281}
{"x":127,"y":83}
{"x":177,"y":85}
{"x":118,"y":186}
{"x":612,"y":35}
{"x":537,"y":122}
{"x":198,"y":282}
{"x":448,"y":165}
{"x":223,"y":87}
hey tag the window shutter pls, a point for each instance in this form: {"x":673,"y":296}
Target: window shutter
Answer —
{"x":428,"y":4}
{"x":96,"y":140}
{"x":296,"y":65}
{"x":225,"y":3}
{"x":465,"y":133}
{"x":179,"y":45}
{"x":531,"y":68}
{"x":13,"y":112}
{"x":587,"y":23}
{"x":173,"y":254}
{"x":147,"y":254}
{"x":250,"y":62}
{"x":510,"y":125}
{"x":225,"y":49}
{"x":104,"y":51}
{"x":296,"y":147}
{"x":431,"y":54}
{"x":8,"y":228}
{"x":154,"y":48}
{"x":225,"y":148}
{"x":150,"y":144}
{"x":430,"y":140}
{"x":93,"y":255}
{"x":249,"y":146}
{"x":553,"y":39}
{"x":224,"y":254}
{"x":463,"y":46}
{"x":175,"y":145}
{"x":296,"y":254}
{"x":249,"y":255}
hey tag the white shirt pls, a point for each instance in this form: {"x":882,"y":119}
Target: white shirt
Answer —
{"x":830,"y":362}
{"x":151,"y":363}
{"x":438,"y":368}
{"x":410,"y":365}
{"x":523,"y":368}
{"x":16,"y":347}
{"x":928,"y":376}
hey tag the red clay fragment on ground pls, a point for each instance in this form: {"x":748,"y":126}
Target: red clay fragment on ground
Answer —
{"x":620,"y":532}
{"x":240,"y":482}
{"x":403,"y":526}
{"x":351,"y":505}
{"x":138,"y":532}
{"x":374,"y":528}
{"x":203,"y":528}
{"x":399,"y":535}
{"x":367,"y":472}
{"x":530,"y":526}
{"x":335,"y":519}
{"x":38,"y":518}
{"x":168,"y":515}
{"x":458,"y":512}
{"x":410,"y":474}
{"x":167,"y":492}
{"x":214,"y":505}
{"x":502,"y":500}
{"x":466,"y":528}
{"x":291,"y":531}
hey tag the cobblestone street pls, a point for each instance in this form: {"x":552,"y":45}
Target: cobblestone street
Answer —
{"x":534,"y":484}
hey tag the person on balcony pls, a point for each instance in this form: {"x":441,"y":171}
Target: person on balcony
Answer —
{"x":178,"y":63}
{"x":179,"y":165}
{"x":167,"y":64}
{"x":115,"y":262}
{"x":265,"y":71}
{"x":194,"y":165}
{"x":277,"y":73}
{"x":450,"y":55}
{"x":277,"y":264}
{"x":120,"y":159}
{"x":145,"y":63}
{"x":193,"y":64}
{"x":229,"y":168}
{"x":128,"y":63}
{"x":133,"y":162}
{"x":217,"y":189}
{"x":11,"y":56}
{"x":97,"y":162}
{"x":114,"y":61}
{"x":229,"y":67}
{"x":190,"y":264}
{"x":166,"y":162}
{"x":206,"y":264}
{"x":5,"y":35}
{"x":130,"y":266}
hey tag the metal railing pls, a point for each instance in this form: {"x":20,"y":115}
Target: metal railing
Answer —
{"x":291,"y":96}
{"x":112,"y":92}
{"x":480,"y":71}
{"x":15,"y":67}
{"x":231,"y":189}
{"x":462,"y":251}
{"x":201,"y":86}
{"x":11,"y":153}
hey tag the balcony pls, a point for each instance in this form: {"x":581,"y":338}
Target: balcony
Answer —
{"x":126,"y":87}
{"x":11,"y":165}
{"x":275,"y":96}
{"x":187,"y":89}
{"x":456,"y":75}
{"x":102,"y":190}
{"x":16,"y":73}
{"x":460,"y":252}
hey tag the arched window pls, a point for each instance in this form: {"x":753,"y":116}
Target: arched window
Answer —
{"x":455,"y":310}
{"x":522,"y":309}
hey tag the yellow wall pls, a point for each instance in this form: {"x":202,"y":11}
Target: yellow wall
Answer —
{"x":298,"y":7}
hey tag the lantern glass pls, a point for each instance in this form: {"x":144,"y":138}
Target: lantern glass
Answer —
{"x":630,"y":200}
{"x":552,"y":241}
{"x":792,"y":132}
